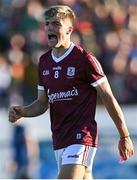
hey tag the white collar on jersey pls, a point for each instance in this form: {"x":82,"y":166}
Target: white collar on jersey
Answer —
{"x":64,"y":55}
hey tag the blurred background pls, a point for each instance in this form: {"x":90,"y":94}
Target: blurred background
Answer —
{"x":108,"y":28}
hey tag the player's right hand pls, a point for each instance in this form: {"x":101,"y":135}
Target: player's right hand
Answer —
{"x":15,"y":113}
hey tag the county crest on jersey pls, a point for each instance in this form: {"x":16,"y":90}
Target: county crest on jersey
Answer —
{"x":71,"y":71}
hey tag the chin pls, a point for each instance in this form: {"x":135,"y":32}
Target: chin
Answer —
{"x":52,"y":45}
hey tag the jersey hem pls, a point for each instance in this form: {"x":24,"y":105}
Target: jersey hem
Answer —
{"x":87,"y":144}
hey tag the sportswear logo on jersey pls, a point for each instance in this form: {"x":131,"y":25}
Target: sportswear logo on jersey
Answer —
{"x":73,"y":156}
{"x":71,"y":71}
{"x":63,"y":95}
{"x":57,"y":68}
{"x":45,"y":72}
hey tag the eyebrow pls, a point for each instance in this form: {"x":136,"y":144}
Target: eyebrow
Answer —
{"x":54,"y":21}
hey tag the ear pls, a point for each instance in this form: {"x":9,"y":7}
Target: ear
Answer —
{"x":70,"y":29}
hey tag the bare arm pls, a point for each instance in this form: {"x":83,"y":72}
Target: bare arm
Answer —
{"x":112,"y":107}
{"x":38,"y":107}
{"x":115,"y":112}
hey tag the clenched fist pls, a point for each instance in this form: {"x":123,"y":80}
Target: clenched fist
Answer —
{"x":126,"y":148}
{"x":15,"y":113}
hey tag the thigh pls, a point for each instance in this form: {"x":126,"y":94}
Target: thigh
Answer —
{"x":88,"y":175}
{"x":72,"y":171}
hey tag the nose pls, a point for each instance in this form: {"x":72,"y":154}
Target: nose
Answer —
{"x":49,"y":27}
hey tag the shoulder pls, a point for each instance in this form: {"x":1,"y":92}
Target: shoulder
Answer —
{"x":80,"y":53}
{"x":83,"y":54}
{"x":45,"y":56}
{"x":79,"y":50}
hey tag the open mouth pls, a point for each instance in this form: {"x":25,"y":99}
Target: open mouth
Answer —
{"x":52,"y":37}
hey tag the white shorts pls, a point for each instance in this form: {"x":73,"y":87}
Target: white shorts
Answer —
{"x":76,"y":154}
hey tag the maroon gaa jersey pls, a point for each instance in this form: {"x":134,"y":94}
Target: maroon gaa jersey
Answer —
{"x":70,"y":82}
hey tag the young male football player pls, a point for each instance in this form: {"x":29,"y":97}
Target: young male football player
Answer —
{"x":69,"y":80}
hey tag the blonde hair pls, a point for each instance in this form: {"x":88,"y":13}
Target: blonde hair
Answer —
{"x":60,"y":11}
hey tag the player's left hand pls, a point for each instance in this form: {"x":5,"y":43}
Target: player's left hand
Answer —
{"x":126,"y":148}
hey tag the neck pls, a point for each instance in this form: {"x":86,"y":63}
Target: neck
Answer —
{"x":59,"y":51}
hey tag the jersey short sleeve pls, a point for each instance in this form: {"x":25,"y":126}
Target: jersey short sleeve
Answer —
{"x":94,"y":71}
{"x":40,"y":82}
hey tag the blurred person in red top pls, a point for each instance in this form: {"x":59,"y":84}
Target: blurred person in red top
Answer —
{"x":69,"y":80}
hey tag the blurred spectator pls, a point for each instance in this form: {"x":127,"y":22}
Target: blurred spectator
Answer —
{"x":17,"y":59}
{"x":125,"y":68}
{"x":20,"y":153}
{"x":25,"y":162}
{"x":5,"y":81}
